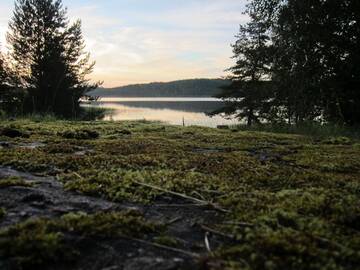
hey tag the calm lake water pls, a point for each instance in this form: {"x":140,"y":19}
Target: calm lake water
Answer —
{"x":175,"y":111}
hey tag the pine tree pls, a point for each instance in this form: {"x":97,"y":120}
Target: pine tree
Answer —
{"x":49,"y":56}
{"x":247,"y":95}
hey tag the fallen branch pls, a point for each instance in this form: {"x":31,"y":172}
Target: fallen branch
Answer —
{"x":239,"y":224}
{"x":184,"y":196}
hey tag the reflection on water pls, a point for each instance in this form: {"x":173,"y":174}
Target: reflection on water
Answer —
{"x":191,"y":111}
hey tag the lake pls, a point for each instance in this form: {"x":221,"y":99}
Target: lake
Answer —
{"x":175,"y":111}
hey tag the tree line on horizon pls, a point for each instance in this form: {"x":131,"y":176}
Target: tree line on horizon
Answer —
{"x":296,"y":61}
{"x":179,"y":88}
{"x":46,"y":68}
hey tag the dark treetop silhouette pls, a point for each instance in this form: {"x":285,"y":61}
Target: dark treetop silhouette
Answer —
{"x":308,"y":54}
{"x":48,"y":54}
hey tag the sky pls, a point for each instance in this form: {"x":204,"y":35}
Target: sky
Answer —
{"x":140,"y":41}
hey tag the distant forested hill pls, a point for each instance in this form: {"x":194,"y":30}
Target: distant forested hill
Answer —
{"x":183,"y":88}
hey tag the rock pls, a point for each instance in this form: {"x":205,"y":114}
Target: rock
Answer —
{"x":13,"y":133}
{"x":5,"y":145}
{"x":150,"y":263}
{"x":115,"y":267}
{"x":34,"y":197}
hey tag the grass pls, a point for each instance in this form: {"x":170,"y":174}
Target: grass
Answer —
{"x":299,"y":194}
{"x":328,"y":131}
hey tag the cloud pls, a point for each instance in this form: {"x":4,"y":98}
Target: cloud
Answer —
{"x":141,"y":41}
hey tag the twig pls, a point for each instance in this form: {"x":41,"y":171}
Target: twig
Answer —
{"x":205,"y":228}
{"x":207,"y":243}
{"x":174,"y":220}
{"x":326,"y":241}
{"x":197,"y":193}
{"x":184,"y":196}
{"x":187,"y":253}
{"x":180,"y":205}
{"x":78,"y":175}
{"x":239,"y":224}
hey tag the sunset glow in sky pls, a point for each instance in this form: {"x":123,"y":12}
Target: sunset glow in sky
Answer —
{"x":137,"y":41}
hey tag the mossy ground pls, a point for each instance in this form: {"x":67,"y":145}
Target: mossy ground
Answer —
{"x":293,"y":202}
{"x":42,"y":242}
{"x":14,"y":182}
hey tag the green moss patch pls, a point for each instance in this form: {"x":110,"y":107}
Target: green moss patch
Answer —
{"x":14,"y":182}
{"x":2,"y":212}
{"x":43,"y":242}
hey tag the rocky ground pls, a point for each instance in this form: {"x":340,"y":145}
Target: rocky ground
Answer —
{"x":140,"y":195}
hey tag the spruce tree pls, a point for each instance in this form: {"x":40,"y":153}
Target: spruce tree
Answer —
{"x":247,"y":95}
{"x":49,"y":56}
{"x":312,"y":55}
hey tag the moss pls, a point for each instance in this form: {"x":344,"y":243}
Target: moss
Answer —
{"x":30,"y":245}
{"x":14,"y":182}
{"x":128,"y":223}
{"x":2,"y":213}
{"x":337,"y":141}
{"x":166,"y":241}
{"x":43,"y":242}
{"x":83,"y":134}
{"x":298,"y":196}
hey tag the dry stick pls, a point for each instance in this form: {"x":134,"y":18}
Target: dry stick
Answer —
{"x":202,"y":202}
{"x":180,"y":205}
{"x":205,"y":228}
{"x":78,"y":175}
{"x":187,"y":253}
{"x":207,"y":242}
{"x":174,"y":220}
{"x":239,"y":224}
